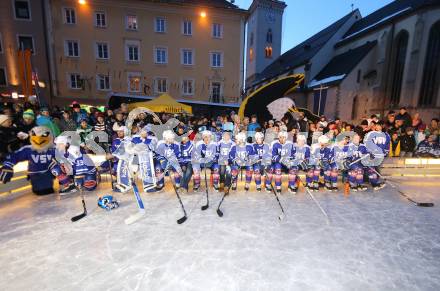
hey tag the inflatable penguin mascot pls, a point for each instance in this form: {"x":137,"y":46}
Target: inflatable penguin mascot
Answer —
{"x":40,"y":155}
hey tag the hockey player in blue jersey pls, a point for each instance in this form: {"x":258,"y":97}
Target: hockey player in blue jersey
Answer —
{"x":168,"y":155}
{"x":83,"y":169}
{"x":356,"y":168}
{"x":263,"y":155}
{"x":241,"y":156}
{"x":40,"y":155}
{"x":224,"y":148}
{"x":204,"y":157}
{"x":281,"y":156}
{"x":186,"y":149}
{"x":342,"y":152}
{"x":378,"y":145}
{"x":301,"y":156}
{"x":327,"y":163}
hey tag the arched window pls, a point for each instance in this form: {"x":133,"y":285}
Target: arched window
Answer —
{"x":269,"y":36}
{"x":398,"y":63}
{"x":251,"y":55}
{"x":268,"y":52}
{"x":431,"y":74}
{"x":251,"y":39}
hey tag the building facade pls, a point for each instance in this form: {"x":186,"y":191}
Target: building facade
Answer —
{"x":190,"y":51}
{"x":359,"y":66}
{"x":22,"y":27}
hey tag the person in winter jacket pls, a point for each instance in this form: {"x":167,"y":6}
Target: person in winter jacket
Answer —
{"x":395,"y":145}
{"x":407,"y":143}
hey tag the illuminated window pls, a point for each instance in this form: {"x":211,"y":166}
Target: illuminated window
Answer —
{"x":134,"y":82}
{"x":251,"y":55}
{"x":132,"y":22}
{"x":268,"y":52}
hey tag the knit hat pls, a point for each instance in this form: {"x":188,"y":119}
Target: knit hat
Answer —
{"x":3,"y":118}
{"x":29,"y":114}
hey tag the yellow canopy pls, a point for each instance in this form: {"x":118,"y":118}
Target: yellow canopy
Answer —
{"x":163,"y":103}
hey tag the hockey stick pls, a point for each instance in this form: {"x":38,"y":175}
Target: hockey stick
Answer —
{"x":135,"y":217}
{"x":283,"y":214}
{"x":84,"y":214}
{"x":314,"y":200}
{"x":184,"y":218}
{"x":421,"y":204}
{"x":219,"y":212}
{"x":110,"y":164}
{"x":206,"y":206}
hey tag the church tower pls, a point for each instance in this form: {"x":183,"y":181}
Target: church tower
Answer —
{"x":264,"y":29}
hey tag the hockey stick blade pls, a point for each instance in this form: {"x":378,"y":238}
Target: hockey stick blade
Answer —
{"x":78,"y":217}
{"x":204,"y":207}
{"x":428,"y":204}
{"x":182,"y":220}
{"x":135,"y":217}
{"x":219,"y":212}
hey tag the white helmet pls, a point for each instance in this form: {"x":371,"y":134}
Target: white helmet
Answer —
{"x":259,"y":135}
{"x":168,"y":135}
{"x":282,"y":134}
{"x":323,"y":139}
{"x":62,"y":139}
{"x":206,"y":133}
{"x":241,"y":137}
{"x":301,"y":137}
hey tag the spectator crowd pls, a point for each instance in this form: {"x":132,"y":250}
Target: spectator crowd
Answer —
{"x":410,"y":135}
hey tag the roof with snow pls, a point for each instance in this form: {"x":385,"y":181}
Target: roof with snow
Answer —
{"x":341,"y":65}
{"x":302,"y":53}
{"x":384,"y":15}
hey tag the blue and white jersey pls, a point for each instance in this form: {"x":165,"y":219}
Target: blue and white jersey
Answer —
{"x":242,"y":155}
{"x":39,"y":162}
{"x":204,"y":153}
{"x":281,"y":150}
{"x":186,"y":150}
{"x":301,"y":153}
{"x":150,"y":141}
{"x":116,"y":144}
{"x":223,"y":149}
{"x":80,"y":161}
{"x":168,"y":151}
{"x":381,"y":139}
{"x":357,"y":152}
{"x":327,"y":156}
{"x":263,"y":153}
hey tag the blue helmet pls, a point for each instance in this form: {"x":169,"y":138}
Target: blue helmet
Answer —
{"x":107,"y":202}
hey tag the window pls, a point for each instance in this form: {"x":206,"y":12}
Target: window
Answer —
{"x":100,"y":19}
{"x":251,"y":55}
{"x":75,"y":81}
{"x":187,"y":27}
{"x":134,"y":82}
{"x":1,"y":44}
{"x":188,"y":87}
{"x":161,"y":55}
{"x":102,"y":51}
{"x":187,"y":57}
{"x":132,"y":51}
{"x":22,"y":9}
{"x":132,"y":22}
{"x":26,"y":42}
{"x":269,"y":36}
{"x":161,"y":85}
{"x":399,"y":66}
{"x":431,"y":74}
{"x":160,"y":25}
{"x":103,"y":82}
{"x":69,"y":16}
{"x":3,"y":80}
{"x":216,"y":60}
{"x":71,"y":48}
{"x":268,"y":52}
{"x":217,"y":30}
{"x":216,"y":92}
{"x":251,"y":39}
{"x":358,"y":76}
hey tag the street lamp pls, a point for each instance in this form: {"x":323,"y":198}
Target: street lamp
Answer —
{"x":82,"y":2}
{"x":203,"y":14}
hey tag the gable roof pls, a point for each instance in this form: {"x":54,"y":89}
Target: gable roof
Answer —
{"x":384,"y":15}
{"x":341,"y":65}
{"x":302,"y":53}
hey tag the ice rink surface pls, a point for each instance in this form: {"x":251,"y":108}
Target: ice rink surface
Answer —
{"x":374,"y":241}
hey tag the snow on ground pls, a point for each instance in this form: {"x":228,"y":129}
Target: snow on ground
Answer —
{"x":375,"y":241}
